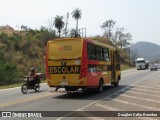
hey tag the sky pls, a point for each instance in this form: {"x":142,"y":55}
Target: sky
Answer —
{"x":141,"y":18}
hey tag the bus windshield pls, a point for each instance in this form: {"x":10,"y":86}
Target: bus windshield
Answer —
{"x":141,"y":61}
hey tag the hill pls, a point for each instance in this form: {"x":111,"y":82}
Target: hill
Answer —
{"x":147,"y":50}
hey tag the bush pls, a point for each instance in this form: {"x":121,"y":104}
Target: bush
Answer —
{"x":8,"y":74}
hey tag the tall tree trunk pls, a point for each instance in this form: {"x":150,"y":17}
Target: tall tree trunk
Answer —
{"x":77,"y":27}
{"x":59,"y":31}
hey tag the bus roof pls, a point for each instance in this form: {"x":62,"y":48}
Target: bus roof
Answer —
{"x":86,"y":39}
{"x":100,"y":44}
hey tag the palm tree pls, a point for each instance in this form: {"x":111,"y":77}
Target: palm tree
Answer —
{"x":58,"y":23}
{"x":76,"y":14}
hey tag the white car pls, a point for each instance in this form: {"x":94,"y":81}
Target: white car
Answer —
{"x":154,"y":67}
{"x":158,"y":66}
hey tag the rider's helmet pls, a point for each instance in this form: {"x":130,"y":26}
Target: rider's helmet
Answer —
{"x":32,"y":69}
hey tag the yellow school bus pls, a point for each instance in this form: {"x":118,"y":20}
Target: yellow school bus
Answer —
{"x":74,"y":63}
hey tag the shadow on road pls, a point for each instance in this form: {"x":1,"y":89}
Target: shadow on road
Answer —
{"x":91,"y":94}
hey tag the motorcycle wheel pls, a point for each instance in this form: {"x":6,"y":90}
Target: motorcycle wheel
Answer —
{"x":37,"y":87}
{"x":24,"y":88}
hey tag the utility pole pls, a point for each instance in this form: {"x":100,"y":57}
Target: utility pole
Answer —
{"x":65,"y":30}
{"x":83,"y":32}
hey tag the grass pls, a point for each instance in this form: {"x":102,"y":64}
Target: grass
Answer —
{"x":11,"y":86}
{"x":126,"y":67}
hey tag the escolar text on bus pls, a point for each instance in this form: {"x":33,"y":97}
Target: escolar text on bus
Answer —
{"x":64,"y":69}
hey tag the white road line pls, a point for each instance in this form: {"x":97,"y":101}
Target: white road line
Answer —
{"x":106,"y":107}
{"x":134,"y":104}
{"x":95,"y":118}
{"x":142,"y":93}
{"x":143,"y":79}
{"x":125,"y":102}
{"x":149,"y":100}
{"x":144,"y":118}
{"x":156,"y":86}
{"x":146,"y":90}
{"x":148,"y":87}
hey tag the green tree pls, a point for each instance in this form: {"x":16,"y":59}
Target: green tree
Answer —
{"x":58,"y":23}
{"x":76,"y":14}
{"x":108,"y":27}
{"x":121,"y":38}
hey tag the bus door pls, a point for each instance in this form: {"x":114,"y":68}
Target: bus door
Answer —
{"x":117,"y":66}
{"x":112,"y":66}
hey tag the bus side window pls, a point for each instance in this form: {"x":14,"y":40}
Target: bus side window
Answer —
{"x":91,"y":51}
{"x":99,"y":53}
{"x":106,"y":54}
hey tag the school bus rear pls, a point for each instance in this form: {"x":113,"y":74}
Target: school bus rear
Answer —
{"x":63,"y":63}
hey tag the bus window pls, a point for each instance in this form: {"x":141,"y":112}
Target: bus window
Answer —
{"x":91,"y":52}
{"x":106,"y":54}
{"x":99,"y":53}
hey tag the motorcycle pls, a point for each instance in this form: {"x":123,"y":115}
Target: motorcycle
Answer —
{"x":30,"y":83}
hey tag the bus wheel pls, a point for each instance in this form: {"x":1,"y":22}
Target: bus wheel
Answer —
{"x":100,"y":86}
{"x":116,"y":83}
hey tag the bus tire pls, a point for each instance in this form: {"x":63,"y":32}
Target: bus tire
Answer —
{"x":100,"y":87}
{"x":116,"y":83}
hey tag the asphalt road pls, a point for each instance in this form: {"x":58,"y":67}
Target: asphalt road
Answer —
{"x":138,"y":91}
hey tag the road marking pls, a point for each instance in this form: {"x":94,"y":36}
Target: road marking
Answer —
{"x":142,"y":93}
{"x":24,"y":100}
{"x":95,"y":118}
{"x":146,"y":90}
{"x":148,"y":87}
{"x":149,"y":100}
{"x":125,"y":102}
{"x":135,"y":104}
{"x":156,"y":86}
{"x":106,"y":107}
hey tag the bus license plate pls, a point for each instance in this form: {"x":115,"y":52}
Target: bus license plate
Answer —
{"x":64,"y":83}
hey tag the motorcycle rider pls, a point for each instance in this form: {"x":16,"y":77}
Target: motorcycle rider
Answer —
{"x":33,"y":77}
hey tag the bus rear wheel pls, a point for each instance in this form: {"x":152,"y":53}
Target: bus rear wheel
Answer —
{"x":116,"y":83}
{"x":100,"y":87}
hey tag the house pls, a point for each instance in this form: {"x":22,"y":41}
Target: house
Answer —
{"x":6,"y":27}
